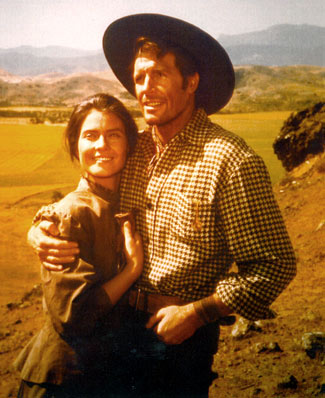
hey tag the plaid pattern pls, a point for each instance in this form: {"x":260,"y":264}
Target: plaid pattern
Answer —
{"x":208,"y":203}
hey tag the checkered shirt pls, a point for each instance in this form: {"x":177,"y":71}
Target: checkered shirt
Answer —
{"x":208,"y":203}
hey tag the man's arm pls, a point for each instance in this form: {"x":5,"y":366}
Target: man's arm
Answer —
{"x":175,"y":324}
{"x":52,"y":251}
{"x":258,"y":240}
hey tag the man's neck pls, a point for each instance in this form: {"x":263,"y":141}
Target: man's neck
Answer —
{"x":165,"y":132}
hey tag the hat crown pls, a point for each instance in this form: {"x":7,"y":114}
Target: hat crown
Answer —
{"x":216,"y":72}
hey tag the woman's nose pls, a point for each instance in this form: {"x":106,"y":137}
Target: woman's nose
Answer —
{"x":101,"y":142}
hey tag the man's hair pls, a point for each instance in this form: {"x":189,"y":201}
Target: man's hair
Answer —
{"x":183,"y":61}
{"x":103,"y":103}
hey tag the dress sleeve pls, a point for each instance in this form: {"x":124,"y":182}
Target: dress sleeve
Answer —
{"x":74,"y":297}
{"x":258,"y":240}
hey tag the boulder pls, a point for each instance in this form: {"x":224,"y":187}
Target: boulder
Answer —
{"x":302,"y":135}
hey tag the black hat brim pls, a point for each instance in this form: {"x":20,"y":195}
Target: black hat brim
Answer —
{"x":217,"y":78}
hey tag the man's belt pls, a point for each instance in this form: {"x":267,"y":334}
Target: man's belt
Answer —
{"x":152,"y":303}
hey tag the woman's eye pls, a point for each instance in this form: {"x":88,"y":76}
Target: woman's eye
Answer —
{"x":90,"y":136}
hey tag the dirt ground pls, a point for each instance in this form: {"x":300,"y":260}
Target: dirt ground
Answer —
{"x":269,"y":360}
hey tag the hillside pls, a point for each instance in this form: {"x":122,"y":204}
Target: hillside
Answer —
{"x":278,"y":45}
{"x":245,"y":369}
{"x":258,"y":88}
{"x":55,"y":89}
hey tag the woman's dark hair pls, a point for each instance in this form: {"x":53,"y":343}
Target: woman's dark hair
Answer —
{"x":102,"y":103}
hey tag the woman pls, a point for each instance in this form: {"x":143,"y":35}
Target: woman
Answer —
{"x":71,"y":355}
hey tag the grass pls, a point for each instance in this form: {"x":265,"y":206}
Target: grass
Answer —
{"x":25,"y":147}
{"x":259,"y":130}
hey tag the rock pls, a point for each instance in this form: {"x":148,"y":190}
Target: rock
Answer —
{"x":267,"y":348}
{"x":314,"y":344}
{"x":257,"y":392}
{"x":243,"y":326}
{"x":12,"y":306}
{"x":320,"y":225}
{"x":302,"y":135}
{"x":289,"y":383}
{"x":36,"y":291}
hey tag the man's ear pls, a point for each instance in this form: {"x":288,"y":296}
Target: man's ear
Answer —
{"x":193,"y":82}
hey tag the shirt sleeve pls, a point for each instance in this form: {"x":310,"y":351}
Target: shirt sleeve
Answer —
{"x":74,"y":297}
{"x":258,"y":240}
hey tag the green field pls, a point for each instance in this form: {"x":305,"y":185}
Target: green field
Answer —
{"x":259,"y":130}
{"x":33,"y":155}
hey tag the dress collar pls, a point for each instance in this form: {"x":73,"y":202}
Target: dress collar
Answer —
{"x":107,"y":194}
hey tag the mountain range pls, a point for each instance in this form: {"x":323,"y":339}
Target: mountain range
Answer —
{"x":258,"y":88}
{"x":278,"y":45}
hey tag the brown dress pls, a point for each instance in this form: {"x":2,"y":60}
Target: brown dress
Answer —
{"x":75,"y":340}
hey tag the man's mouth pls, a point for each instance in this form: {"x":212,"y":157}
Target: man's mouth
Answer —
{"x":152,"y":104}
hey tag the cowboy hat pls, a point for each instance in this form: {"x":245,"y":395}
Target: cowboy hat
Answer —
{"x":216,"y":72}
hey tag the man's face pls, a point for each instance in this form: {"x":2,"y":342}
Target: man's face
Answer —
{"x":159,"y":89}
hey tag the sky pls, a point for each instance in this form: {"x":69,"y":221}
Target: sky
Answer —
{"x":81,"y":23}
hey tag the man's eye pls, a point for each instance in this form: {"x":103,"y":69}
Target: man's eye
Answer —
{"x":138,"y":79}
{"x":115,"y":135}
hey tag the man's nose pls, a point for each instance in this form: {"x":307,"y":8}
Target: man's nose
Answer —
{"x":148,"y":83}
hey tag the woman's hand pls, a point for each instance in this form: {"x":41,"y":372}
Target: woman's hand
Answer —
{"x":118,"y":285}
{"x":133,"y":250}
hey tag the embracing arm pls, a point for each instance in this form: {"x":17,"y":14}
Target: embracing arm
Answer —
{"x":77,"y":296}
{"x":52,"y":251}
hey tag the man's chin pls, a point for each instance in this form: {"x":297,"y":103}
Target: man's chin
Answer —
{"x":151,"y":118}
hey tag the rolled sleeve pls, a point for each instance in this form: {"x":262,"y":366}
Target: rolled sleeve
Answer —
{"x":258,"y":240}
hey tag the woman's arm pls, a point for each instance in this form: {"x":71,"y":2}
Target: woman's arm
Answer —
{"x":117,"y":286}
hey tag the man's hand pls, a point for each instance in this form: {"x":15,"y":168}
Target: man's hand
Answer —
{"x":175,"y":324}
{"x":52,"y":251}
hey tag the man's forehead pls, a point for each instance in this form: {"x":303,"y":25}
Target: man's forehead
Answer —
{"x":151,"y":60}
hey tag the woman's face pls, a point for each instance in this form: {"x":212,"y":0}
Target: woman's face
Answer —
{"x":103,"y":148}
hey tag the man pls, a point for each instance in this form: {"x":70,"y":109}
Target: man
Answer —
{"x":203,"y":200}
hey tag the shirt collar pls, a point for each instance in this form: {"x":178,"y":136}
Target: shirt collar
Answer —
{"x":107,"y":194}
{"x":193,"y":133}
{"x":196,"y":129}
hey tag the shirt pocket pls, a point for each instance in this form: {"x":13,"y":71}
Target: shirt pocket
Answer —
{"x":193,"y":219}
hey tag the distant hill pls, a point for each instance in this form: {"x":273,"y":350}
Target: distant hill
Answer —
{"x":49,"y":51}
{"x":32,"y":63}
{"x":258,"y":88}
{"x":278,"y":45}
{"x":56,"y":89}
{"x":268,"y":88}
